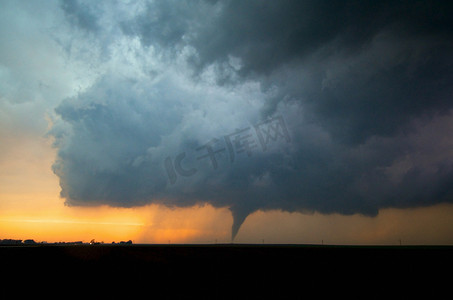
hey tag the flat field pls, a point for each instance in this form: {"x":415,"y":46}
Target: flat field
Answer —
{"x":260,"y":269}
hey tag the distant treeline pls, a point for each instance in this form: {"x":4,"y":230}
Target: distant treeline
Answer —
{"x":32,"y":242}
{"x":16,"y":242}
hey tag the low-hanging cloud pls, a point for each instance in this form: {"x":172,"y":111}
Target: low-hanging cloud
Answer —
{"x":322,"y":106}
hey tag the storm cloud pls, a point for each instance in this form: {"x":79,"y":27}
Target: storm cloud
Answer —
{"x":329,"y":106}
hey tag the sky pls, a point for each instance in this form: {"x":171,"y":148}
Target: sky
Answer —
{"x":215,"y":121}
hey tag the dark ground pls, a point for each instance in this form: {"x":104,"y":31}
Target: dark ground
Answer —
{"x":214,"y":271}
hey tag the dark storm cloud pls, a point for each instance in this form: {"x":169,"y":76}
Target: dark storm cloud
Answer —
{"x":361,"y":87}
{"x":397,"y":55}
{"x":267,"y":34}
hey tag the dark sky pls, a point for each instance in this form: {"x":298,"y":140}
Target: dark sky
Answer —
{"x":328,"y":106}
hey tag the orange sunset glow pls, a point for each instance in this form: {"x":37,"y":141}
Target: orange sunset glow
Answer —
{"x":32,"y":208}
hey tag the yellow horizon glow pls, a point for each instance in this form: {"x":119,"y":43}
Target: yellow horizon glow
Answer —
{"x":70,"y":222}
{"x":148,"y":224}
{"x":30,"y":208}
